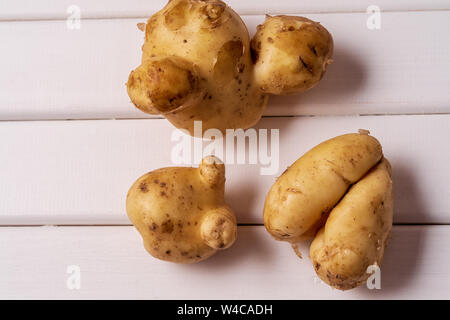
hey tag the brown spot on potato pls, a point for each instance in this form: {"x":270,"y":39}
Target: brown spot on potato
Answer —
{"x":305,"y":65}
{"x":282,"y":234}
{"x":167,"y":226}
{"x":168,"y":252}
{"x":313,"y":49}
{"x":153,"y":226}
{"x":143,"y":187}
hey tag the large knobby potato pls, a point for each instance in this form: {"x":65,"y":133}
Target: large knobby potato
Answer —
{"x":181,"y":213}
{"x":197,"y":64}
{"x":339,"y":194}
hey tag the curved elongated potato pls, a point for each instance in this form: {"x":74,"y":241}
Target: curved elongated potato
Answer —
{"x":339,"y":194}
{"x":356,"y":232}
{"x":181,"y":213}
{"x":291,"y":54}
{"x":310,"y":188}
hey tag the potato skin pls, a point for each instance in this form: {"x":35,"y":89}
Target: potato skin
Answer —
{"x":356,"y":232}
{"x":181,"y":213}
{"x":196,"y":66}
{"x":304,"y":194}
{"x":291,"y":54}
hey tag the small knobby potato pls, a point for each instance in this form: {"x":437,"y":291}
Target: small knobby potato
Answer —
{"x":197,"y":64}
{"x":291,"y":54}
{"x":181,"y":213}
{"x":339,"y":194}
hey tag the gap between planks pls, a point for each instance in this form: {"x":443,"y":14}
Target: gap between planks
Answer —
{"x":425,"y":224}
{"x":243,"y":13}
{"x":263,"y":117}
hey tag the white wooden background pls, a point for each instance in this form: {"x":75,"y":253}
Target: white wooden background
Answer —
{"x":71,"y":144}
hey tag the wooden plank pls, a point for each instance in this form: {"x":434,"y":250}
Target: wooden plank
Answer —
{"x":78,"y":172}
{"x":52,"y":9}
{"x":403,"y":68}
{"x":114,"y":265}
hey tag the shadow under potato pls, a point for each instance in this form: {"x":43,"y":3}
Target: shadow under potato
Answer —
{"x":250,"y":245}
{"x":242,"y":198}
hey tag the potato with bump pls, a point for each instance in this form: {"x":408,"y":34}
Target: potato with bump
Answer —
{"x":181,"y":213}
{"x":339,"y":194}
{"x":198,"y":64}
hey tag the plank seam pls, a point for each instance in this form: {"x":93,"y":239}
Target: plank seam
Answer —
{"x":263,"y":117}
{"x":240,"y":13}
{"x":239,"y":225}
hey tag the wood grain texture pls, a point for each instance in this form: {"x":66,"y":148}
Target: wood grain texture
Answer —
{"x":78,"y":172}
{"x":57,"y":73}
{"x":54,"y":9}
{"x":114,"y":265}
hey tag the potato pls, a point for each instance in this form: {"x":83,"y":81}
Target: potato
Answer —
{"x":291,"y":54}
{"x":311,"y":187}
{"x":181,"y":213}
{"x":340,"y":184}
{"x":197,"y":64}
{"x":356,"y":232}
